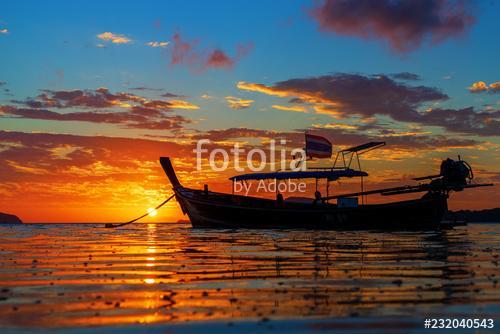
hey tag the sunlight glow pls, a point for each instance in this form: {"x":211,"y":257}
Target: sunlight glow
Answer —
{"x":152,"y":212}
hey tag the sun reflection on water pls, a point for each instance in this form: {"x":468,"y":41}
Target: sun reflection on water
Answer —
{"x":161,"y":273}
{"x":149,"y":280}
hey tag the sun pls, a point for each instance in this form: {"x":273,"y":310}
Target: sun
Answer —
{"x":152,"y":212}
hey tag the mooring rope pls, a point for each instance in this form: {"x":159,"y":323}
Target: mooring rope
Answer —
{"x":109,"y":225}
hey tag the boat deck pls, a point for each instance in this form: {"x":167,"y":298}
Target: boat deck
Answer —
{"x":241,"y":200}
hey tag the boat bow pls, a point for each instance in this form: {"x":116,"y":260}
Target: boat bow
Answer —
{"x":166,"y":164}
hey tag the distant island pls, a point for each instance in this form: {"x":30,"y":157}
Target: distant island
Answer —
{"x":488,"y":215}
{"x":6,"y":218}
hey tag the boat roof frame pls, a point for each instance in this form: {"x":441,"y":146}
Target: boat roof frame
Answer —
{"x":356,"y":151}
{"x":330,"y":175}
{"x":322,"y":172}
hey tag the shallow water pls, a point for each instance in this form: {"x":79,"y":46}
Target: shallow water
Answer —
{"x":68,"y":276}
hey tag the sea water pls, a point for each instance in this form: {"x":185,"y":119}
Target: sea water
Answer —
{"x":72,"y":276}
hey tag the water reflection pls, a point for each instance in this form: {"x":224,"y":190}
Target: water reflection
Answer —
{"x":67,"y":275}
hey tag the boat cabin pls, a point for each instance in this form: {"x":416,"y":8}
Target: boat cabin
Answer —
{"x":341,"y":168}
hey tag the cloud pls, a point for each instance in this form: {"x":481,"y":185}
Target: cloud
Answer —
{"x":345,"y":95}
{"x":336,"y":126}
{"x":170,"y":95}
{"x":2,"y":83}
{"x":180,"y":104}
{"x":354,"y":94}
{"x":168,"y":105}
{"x":329,"y":109}
{"x":106,"y":107}
{"x":481,"y":86}
{"x":73,"y":171}
{"x":101,"y":98}
{"x":6,"y":91}
{"x":183,"y":52}
{"x":206,"y":97}
{"x":189,"y":54}
{"x":465,"y":120}
{"x":141,"y":118}
{"x":405,"y":25}
{"x":165,"y":123}
{"x":157,"y":44}
{"x":290,"y":108}
{"x":115,"y":174}
{"x":114,"y":38}
{"x":342,"y":135}
{"x":237,"y":133}
{"x":495,"y":87}
{"x":296,"y":100}
{"x":166,"y":94}
{"x":478,"y":87}
{"x":218,"y":59}
{"x":411,"y":142}
{"x":4,"y":31}
{"x":237,"y":103}
{"x":406,"y":76}
{"x":255,"y":87}
{"x":143,"y":88}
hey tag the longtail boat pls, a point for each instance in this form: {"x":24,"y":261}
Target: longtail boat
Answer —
{"x":222,"y":210}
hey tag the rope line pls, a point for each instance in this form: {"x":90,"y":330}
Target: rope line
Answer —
{"x":109,"y":225}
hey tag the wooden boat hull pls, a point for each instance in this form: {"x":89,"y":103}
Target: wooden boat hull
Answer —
{"x":220,"y":210}
{"x":216,"y":210}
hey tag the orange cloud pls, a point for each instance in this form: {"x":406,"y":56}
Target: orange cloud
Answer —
{"x":336,"y":126}
{"x":290,"y":108}
{"x":481,"y":86}
{"x":477,"y":87}
{"x":237,"y":103}
{"x":114,"y":38}
{"x":180,"y":104}
{"x":68,"y":172}
{"x":50,"y":177}
{"x":321,"y":105}
{"x":495,"y":87}
{"x":354,"y":95}
{"x":139,"y":112}
{"x":255,"y":87}
{"x":328,"y":109}
{"x":303,"y":95}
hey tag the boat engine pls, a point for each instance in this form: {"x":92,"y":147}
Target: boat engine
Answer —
{"x":456,"y":173}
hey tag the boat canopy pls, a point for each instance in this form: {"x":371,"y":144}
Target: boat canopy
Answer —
{"x":331,"y":175}
{"x":368,"y":146}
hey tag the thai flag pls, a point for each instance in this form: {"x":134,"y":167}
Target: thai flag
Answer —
{"x":318,"y":147}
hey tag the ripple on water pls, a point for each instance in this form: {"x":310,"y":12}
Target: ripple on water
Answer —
{"x":80,"y":275}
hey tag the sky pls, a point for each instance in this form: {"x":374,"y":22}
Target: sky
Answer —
{"x":92,"y":93}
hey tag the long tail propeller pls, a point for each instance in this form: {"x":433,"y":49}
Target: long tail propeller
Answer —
{"x":454,"y":175}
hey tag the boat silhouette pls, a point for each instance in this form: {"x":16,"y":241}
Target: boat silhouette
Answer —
{"x":211,"y":209}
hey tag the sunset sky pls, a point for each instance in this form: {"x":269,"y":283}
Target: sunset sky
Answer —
{"x":92,"y":93}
